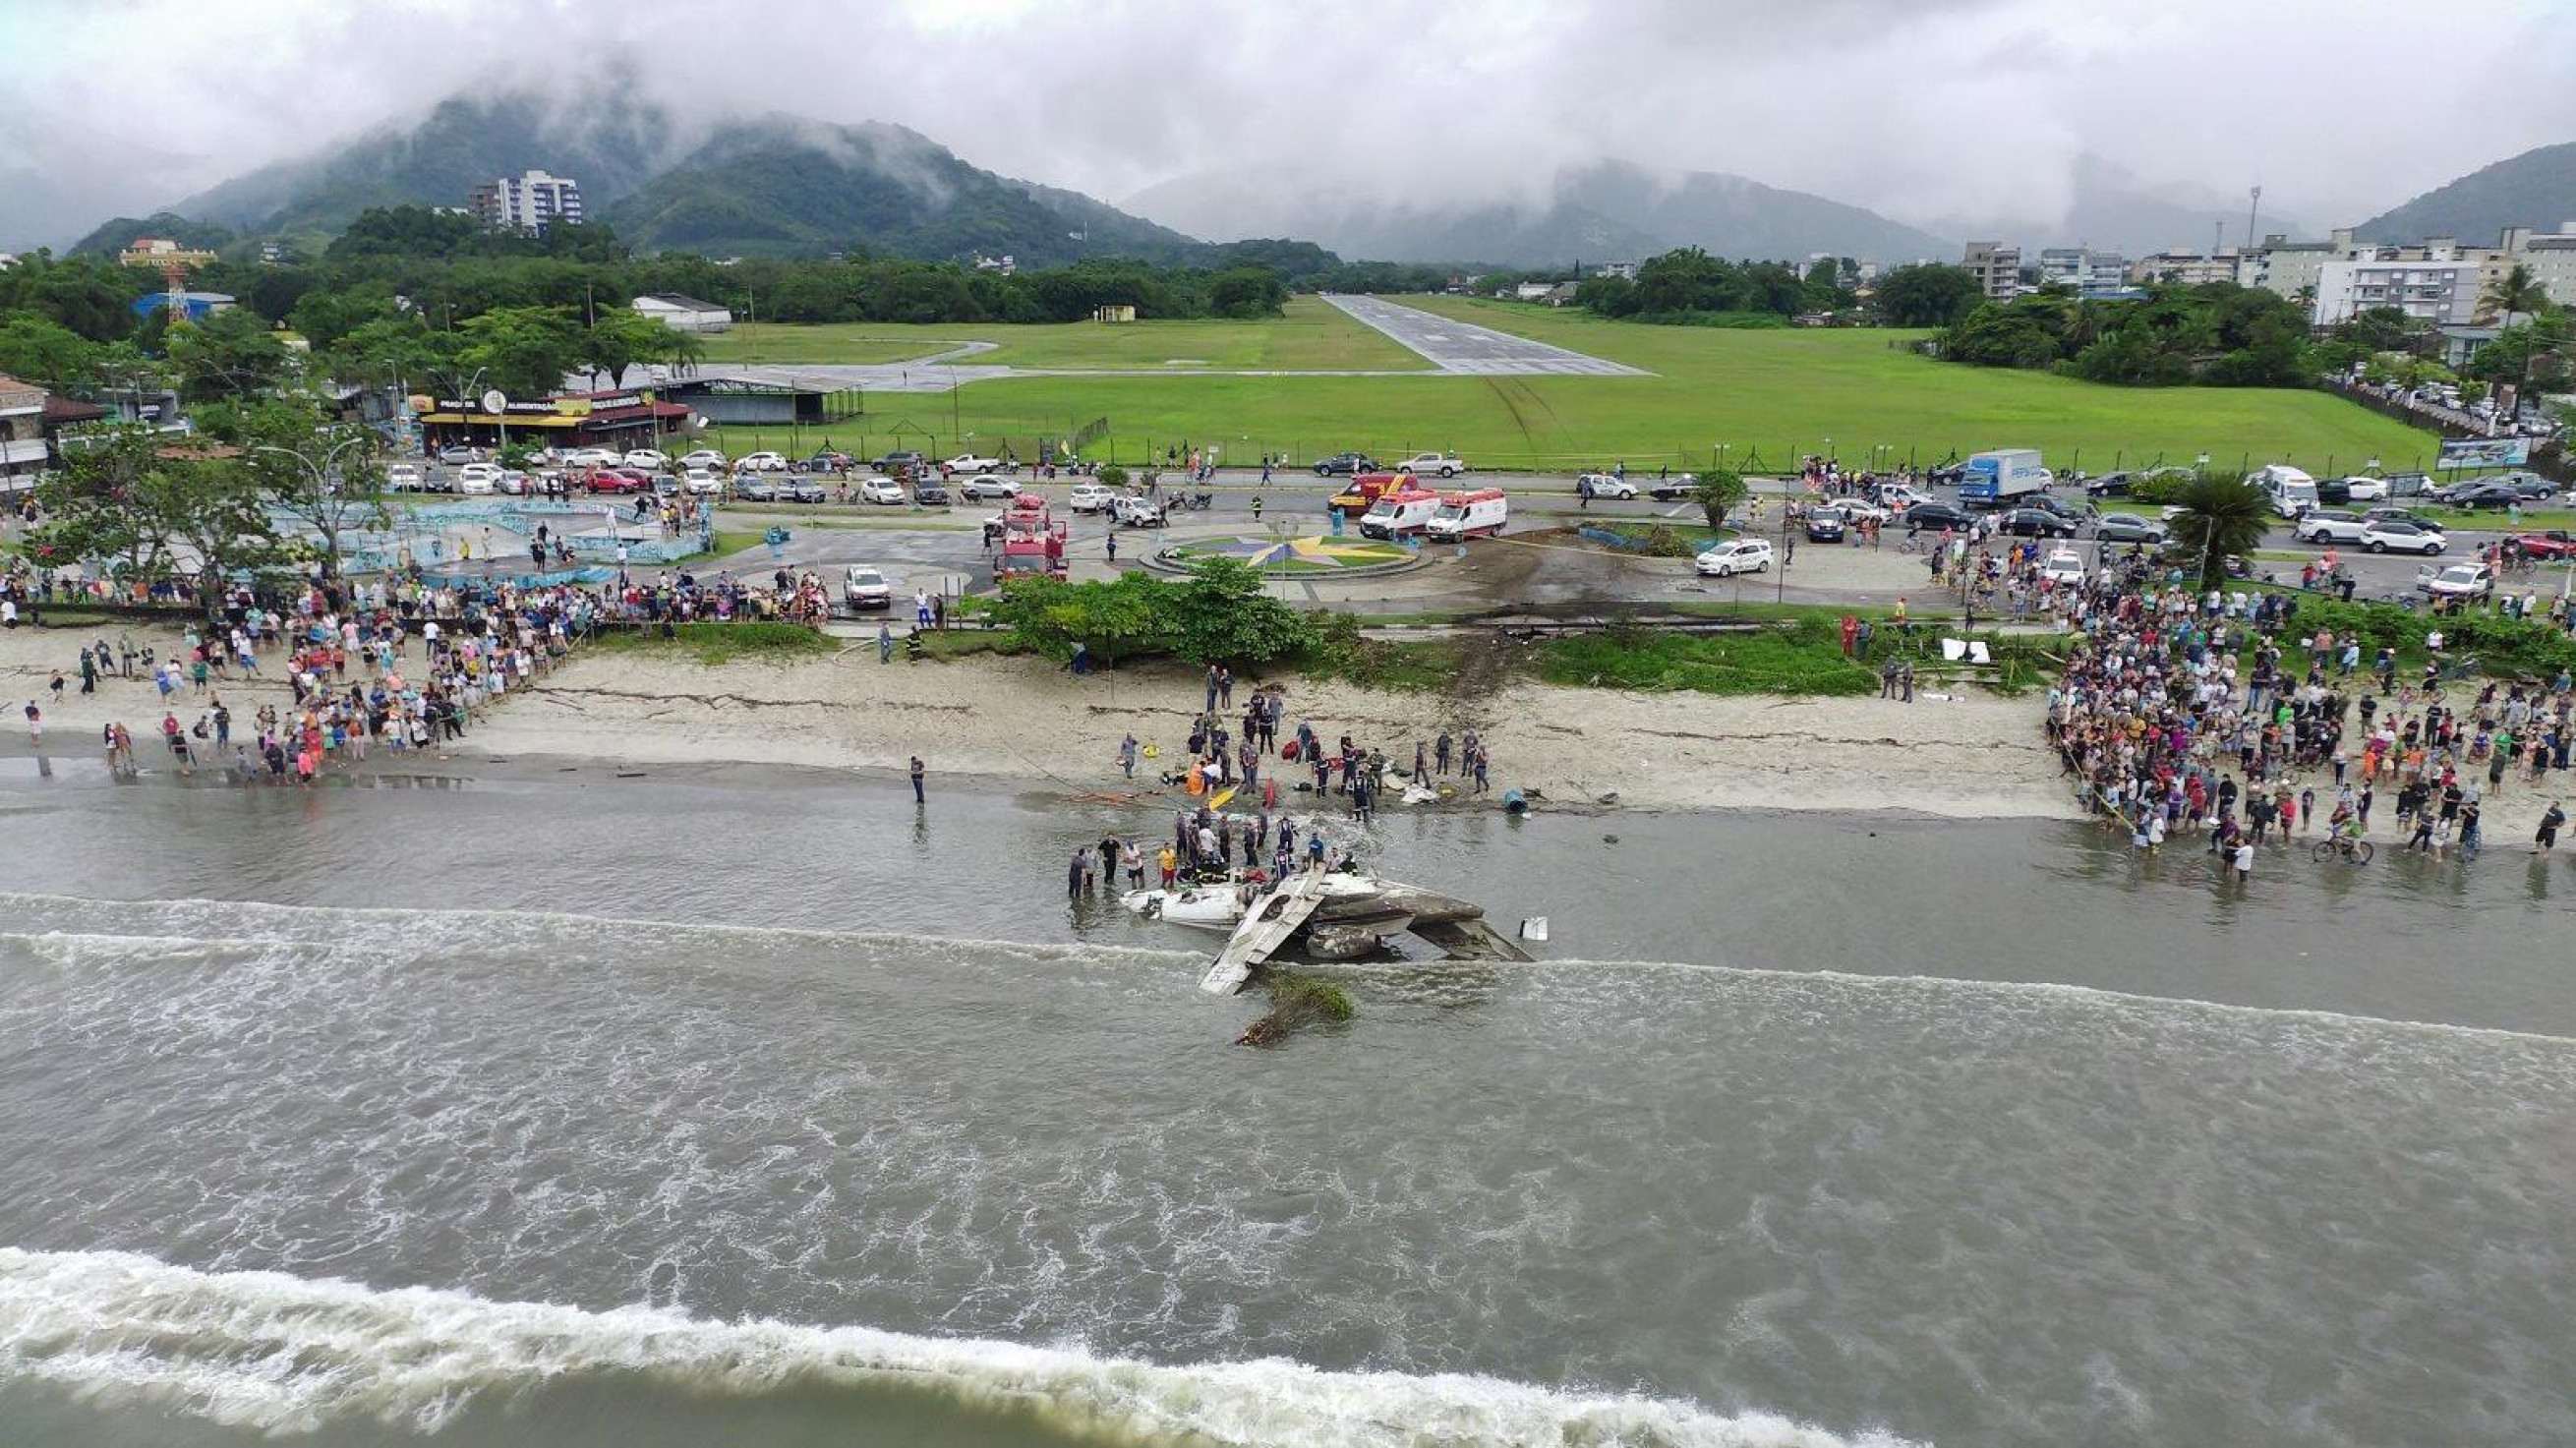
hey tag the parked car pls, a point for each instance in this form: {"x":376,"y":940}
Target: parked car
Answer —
{"x":2034,"y":523}
{"x":829,"y":461}
{"x":899,"y":462}
{"x":881,"y":490}
{"x":2481,"y":494}
{"x":1734,"y":556}
{"x":762,"y":462}
{"x":986,"y":485}
{"x":592,"y":457}
{"x":705,"y":457}
{"x":753,"y":488}
{"x":1433,"y":464}
{"x":403,"y":478}
{"x":2394,"y":535}
{"x":704,"y":482}
{"x":1343,"y":464}
{"x":1896,"y":497}
{"x":2552,"y":544}
{"x":2129,"y":528}
{"x":969,"y":463}
{"x":2331,"y":525}
{"x":2064,"y":565}
{"x":455,"y":455}
{"x":2046,"y":504}
{"x":2457,"y":580}
{"x":865,"y":588}
{"x":929,"y":494}
{"x":2532,"y":486}
{"x":800,"y":490}
{"x":1933,"y":517}
{"x":1090,"y":497}
{"x":1675,"y":488}
{"x":478,"y":478}
{"x":2403,"y":515}
{"x":647,"y":459}
{"x":1604,"y":485}
{"x":1824,"y":525}
{"x":2362,"y":488}
{"x":1861,"y":510}
{"x":1135,"y":510}
{"x":618,"y":480}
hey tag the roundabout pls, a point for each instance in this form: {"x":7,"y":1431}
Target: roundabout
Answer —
{"x":1313,"y":556}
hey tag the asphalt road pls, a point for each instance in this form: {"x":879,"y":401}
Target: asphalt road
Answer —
{"x":1464,"y":347}
{"x":914,"y":555}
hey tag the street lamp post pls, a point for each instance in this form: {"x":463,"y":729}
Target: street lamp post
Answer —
{"x":320,"y":474}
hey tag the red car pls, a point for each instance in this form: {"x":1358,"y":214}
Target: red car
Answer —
{"x":618,"y":480}
{"x":2552,"y":544}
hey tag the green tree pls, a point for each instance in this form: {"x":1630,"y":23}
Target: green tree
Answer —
{"x":1246,"y":293}
{"x":1927,"y":295}
{"x":36,"y":348}
{"x":1221,"y":612}
{"x":1717,"y":495}
{"x":129,"y":500}
{"x":523,"y":351}
{"x":326,"y":475}
{"x":2516,"y":292}
{"x":231,"y":353}
{"x":620,"y":337}
{"x":2220,"y":515}
{"x":400,"y":352}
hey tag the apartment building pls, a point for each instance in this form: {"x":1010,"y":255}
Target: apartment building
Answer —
{"x":2185,"y":268}
{"x":22,"y":434}
{"x":2441,"y":289}
{"x":1996,"y":267}
{"x":529,"y":201}
{"x":2090,"y":273}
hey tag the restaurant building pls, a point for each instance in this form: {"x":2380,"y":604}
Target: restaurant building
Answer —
{"x":619,"y":420}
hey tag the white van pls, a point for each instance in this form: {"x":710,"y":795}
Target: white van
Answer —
{"x":2292,"y":492}
{"x":1397,"y":515}
{"x":1479,"y":514}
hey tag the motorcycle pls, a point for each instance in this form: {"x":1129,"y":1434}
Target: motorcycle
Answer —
{"x":1199,"y":501}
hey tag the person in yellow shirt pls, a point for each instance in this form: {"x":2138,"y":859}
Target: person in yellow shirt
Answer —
{"x":1168,"y":863}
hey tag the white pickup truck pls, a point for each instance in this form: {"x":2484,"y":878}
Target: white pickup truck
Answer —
{"x":965,"y":463}
{"x":1432,"y":464}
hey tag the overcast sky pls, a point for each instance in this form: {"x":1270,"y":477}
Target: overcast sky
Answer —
{"x":1918,"y":108}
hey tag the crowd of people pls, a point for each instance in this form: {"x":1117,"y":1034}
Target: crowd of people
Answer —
{"x":2218,"y":714}
{"x":1228,"y":757}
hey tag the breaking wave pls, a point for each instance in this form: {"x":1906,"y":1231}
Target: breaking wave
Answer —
{"x":284,"y":1355}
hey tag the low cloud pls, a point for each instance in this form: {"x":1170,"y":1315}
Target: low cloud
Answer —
{"x":1919,"y":108}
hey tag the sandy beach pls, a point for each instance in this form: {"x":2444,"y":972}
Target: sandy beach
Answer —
{"x":1025,"y":719}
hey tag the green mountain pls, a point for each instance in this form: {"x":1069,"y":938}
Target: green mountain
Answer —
{"x":1606,"y":211}
{"x":786,"y":186}
{"x":2535,"y":189}
{"x":609,"y":144}
{"x":111,"y":237}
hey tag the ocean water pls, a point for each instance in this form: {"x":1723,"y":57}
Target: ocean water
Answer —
{"x":748,"y":1110}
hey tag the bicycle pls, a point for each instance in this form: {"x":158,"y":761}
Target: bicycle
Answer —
{"x":2357,"y":852}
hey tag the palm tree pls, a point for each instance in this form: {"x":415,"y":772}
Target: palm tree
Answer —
{"x":2220,"y":515}
{"x":2517,"y":291}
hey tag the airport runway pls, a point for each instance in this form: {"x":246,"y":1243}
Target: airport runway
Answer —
{"x":1464,"y":347}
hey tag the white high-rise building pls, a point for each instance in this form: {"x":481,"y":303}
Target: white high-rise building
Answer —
{"x":529,"y":201}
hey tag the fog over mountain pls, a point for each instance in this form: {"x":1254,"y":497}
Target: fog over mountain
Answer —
{"x":1919,"y":110}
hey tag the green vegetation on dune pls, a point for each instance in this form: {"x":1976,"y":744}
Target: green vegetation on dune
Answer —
{"x":721,"y":643}
{"x":1768,"y":395}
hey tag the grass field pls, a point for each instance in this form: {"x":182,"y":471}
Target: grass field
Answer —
{"x":1313,"y":336}
{"x":1766,"y":397}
